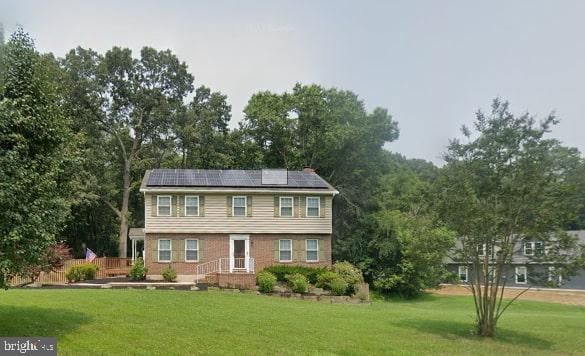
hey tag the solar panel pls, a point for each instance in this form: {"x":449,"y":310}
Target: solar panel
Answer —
{"x":274,"y":177}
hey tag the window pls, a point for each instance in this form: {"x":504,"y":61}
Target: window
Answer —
{"x":239,"y":206}
{"x":312,"y":247}
{"x":521,"y":275}
{"x":463,"y":274}
{"x":539,"y":248}
{"x":191,"y":205}
{"x":285,"y":250}
{"x":286,"y":206}
{"x":481,"y":250}
{"x":313,"y":206}
{"x":528,"y":249}
{"x":163,"y":205}
{"x":554,"y":275}
{"x":164,"y":250}
{"x":191,"y":250}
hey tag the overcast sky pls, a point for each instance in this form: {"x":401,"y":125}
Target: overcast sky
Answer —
{"x":432,"y":64}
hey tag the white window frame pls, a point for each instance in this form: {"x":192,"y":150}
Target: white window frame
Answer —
{"x":517,"y":273}
{"x":158,"y":204}
{"x":307,"y":250}
{"x":551,"y":273}
{"x":196,"y":249}
{"x":292,"y":207}
{"x":318,"y":207}
{"x":185,"y":207}
{"x":466,"y":272}
{"x":170,"y":250}
{"x":481,"y":252}
{"x":234,"y":205}
{"x":280,"y":250}
{"x":531,"y":248}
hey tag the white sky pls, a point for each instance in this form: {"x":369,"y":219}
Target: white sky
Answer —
{"x":431,"y":63}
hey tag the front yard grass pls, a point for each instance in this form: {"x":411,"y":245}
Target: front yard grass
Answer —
{"x":181,"y":322}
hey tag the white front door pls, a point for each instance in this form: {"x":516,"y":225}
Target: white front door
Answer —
{"x":240,"y":253}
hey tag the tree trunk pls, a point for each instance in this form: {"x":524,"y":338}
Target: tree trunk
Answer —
{"x":123,"y":236}
{"x":486,"y":327}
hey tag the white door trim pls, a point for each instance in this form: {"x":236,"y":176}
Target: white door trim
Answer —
{"x":246,"y":238}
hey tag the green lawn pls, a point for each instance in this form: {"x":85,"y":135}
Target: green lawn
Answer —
{"x":181,"y":322}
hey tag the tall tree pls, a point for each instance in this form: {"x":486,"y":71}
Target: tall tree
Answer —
{"x":133,"y":102}
{"x":38,"y":157}
{"x":505,"y":183}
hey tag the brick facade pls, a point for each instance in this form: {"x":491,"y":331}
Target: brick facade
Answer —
{"x":263,"y":248}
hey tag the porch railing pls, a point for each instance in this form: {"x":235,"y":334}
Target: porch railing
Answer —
{"x":225,"y":265}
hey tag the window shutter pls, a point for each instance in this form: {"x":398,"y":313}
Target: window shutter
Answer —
{"x":229,"y":205}
{"x":153,"y":250}
{"x":322,"y":207}
{"x":201,"y":249}
{"x":276,"y":256}
{"x":296,"y":204}
{"x":321,"y":250}
{"x":174,"y":205}
{"x":181,"y":201}
{"x":202,"y":205}
{"x":298,"y":250}
{"x":153,"y":206}
{"x":178,"y":250}
{"x":276,"y":206}
{"x":249,"y":205}
{"x":303,"y":207}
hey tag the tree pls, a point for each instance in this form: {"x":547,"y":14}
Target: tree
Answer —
{"x":504,"y":184}
{"x":37,"y":155}
{"x":133,"y":103}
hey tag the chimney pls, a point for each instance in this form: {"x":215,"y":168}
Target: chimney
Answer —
{"x":309,"y":169}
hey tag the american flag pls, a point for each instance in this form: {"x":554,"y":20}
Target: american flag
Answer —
{"x":89,"y":255}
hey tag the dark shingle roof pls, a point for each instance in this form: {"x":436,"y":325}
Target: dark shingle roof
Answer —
{"x":231,"y":178}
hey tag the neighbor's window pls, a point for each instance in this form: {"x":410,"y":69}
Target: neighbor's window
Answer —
{"x":239,"y":206}
{"x":191,"y":206}
{"x":521,"y":275}
{"x":164,"y":250}
{"x":285,"y":250}
{"x":163,"y":205}
{"x":312,"y":247}
{"x":463,"y":273}
{"x":313,"y":206}
{"x":528,"y":249}
{"x":286,"y":206}
{"x":481,"y":250}
{"x":539,"y":248}
{"x":532,"y":248}
{"x":191,"y":250}
{"x":554,"y":275}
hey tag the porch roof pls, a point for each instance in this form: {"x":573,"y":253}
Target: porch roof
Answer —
{"x":136,"y":233}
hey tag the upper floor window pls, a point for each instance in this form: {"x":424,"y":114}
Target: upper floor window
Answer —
{"x":521,"y":275}
{"x":286,"y":206}
{"x":285,"y":250}
{"x":239,"y":206}
{"x":163,"y":205}
{"x":533,"y":248}
{"x":164,"y":250}
{"x":312,"y":247}
{"x":191,"y":250}
{"x":463,"y":274}
{"x":313,"y":206}
{"x":191,"y":205}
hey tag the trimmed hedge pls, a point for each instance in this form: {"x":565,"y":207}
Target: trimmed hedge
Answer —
{"x":281,"y":271}
{"x":266,"y":281}
{"x":297,"y":282}
{"x":82,"y":272}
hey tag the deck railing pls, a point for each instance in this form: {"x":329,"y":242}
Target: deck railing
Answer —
{"x":225,"y":265}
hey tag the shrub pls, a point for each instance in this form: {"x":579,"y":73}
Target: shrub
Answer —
{"x":325,"y":278}
{"x":349,"y":273}
{"x":281,"y":271}
{"x":138,"y":271}
{"x":169,"y":274}
{"x":338,"y":286}
{"x":297,"y":282}
{"x":81,"y":272}
{"x":266,"y":281}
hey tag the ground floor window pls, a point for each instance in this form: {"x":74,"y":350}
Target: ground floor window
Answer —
{"x":554,"y":275}
{"x":191,"y":250}
{"x":463,"y":274}
{"x":312,"y":247}
{"x":521,"y":275}
{"x":285,"y":250}
{"x":164,"y":250}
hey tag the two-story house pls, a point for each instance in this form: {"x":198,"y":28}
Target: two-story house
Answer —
{"x":231,"y":223}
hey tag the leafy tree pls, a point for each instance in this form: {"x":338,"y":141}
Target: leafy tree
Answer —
{"x":37,"y":155}
{"x":132,"y":104}
{"x":507,"y":182}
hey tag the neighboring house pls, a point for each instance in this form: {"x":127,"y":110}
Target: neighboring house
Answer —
{"x":524,"y":271}
{"x":228,"y":224}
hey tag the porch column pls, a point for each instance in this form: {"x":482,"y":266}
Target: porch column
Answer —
{"x":133,"y":250}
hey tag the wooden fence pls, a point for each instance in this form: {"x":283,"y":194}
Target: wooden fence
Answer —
{"x":106,"y":266}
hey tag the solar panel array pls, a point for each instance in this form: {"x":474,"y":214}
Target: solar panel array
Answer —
{"x":274,"y":176}
{"x":231,"y":178}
